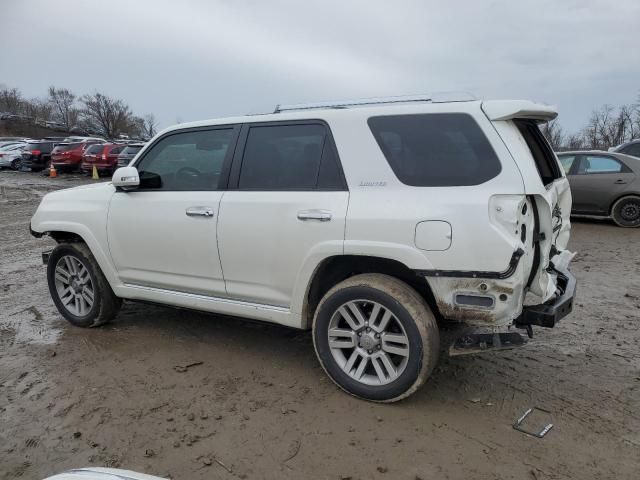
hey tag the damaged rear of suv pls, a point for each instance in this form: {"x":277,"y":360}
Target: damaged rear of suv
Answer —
{"x":373,"y":223}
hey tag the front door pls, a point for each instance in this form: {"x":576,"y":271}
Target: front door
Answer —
{"x":285,"y":208}
{"x":163,"y":234}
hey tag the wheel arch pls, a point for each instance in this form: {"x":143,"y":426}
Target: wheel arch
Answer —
{"x":74,"y":233}
{"x":337,"y":268}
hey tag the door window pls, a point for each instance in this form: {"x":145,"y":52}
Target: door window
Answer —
{"x":591,"y":164}
{"x":567,"y":162}
{"x":191,"y":160}
{"x":289,"y":157}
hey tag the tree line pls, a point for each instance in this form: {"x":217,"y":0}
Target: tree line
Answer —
{"x":96,"y":113}
{"x":608,"y":126}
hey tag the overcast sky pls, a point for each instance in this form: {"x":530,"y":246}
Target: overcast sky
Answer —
{"x":190,"y":60}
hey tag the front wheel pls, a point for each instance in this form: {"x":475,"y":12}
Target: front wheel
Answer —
{"x":626,"y":212}
{"x":16,"y":164}
{"x":79,"y":288}
{"x":376,"y":337}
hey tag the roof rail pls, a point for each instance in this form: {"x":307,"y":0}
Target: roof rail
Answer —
{"x":436,"y":98}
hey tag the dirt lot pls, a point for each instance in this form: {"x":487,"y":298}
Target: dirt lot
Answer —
{"x":256,"y":404}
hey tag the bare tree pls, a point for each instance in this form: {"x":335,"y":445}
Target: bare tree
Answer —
{"x":574,"y":141}
{"x":107,"y":115}
{"x":63,"y":102}
{"x":554,"y":134}
{"x":150,"y":125}
{"x":10,"y":100}
{"x":36,"y":110}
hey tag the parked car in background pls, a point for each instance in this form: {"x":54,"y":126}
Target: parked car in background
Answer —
{"x":630,"y":148}
{"x":67,"y":156}
{"x":128,"y":153}
{"x":11,"y":155}
{"x":37,"y":155}
{"x":604,"y":184}
{"x":80,"y":139}
{"x":103,"y":156}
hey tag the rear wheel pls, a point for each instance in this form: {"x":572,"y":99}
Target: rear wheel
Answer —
{"x":376,"y":337}
{"x":16,"y":164}
{"x":626,"y":212}
{"x":79,"y":288}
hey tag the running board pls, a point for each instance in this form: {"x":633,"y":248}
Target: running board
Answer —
{"x":472,"y":343}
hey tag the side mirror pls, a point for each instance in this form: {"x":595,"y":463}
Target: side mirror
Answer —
{"x":126,"y":178}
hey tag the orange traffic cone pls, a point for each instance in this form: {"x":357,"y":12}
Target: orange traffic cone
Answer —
{"x":52,"y":171}
{"x":94,"y":174}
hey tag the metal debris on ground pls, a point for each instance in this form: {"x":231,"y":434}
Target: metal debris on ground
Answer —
{"x":184,"y":368}
{"x":538,"y":433}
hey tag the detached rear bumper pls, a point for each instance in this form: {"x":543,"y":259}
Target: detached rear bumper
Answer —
{"x":550,"y":313}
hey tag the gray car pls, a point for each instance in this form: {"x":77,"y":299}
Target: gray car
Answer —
{"x":604,"y":184}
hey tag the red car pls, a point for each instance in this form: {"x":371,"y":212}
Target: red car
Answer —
{"x":68,"y":156}
{"x":104,"y":156}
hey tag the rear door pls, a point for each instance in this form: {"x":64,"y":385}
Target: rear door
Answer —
{"x":285,"y":209}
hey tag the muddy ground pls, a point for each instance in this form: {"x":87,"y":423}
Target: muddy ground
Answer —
{"x":256,"y":404}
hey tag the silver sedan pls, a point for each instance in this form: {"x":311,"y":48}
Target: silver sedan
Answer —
{"x":11,"y":156}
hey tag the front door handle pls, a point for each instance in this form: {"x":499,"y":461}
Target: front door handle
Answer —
{"x":620,"y":181}
{"x":318,"y":215}
{"x":199,"y":212}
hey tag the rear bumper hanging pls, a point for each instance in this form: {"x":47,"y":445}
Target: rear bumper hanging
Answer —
{"x":550,"y":313}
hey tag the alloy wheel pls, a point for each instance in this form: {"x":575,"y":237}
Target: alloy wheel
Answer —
{"x":368,"y":342}
{"x":74,"y":286}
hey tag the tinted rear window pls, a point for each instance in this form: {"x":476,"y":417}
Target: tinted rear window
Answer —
{"x":66,"y":147}
{"x":38,"y":146}
{"x":116,"y":150}
{"x":93,"y":149}
{"x":131,"y":150}
{"x":436,"y":149}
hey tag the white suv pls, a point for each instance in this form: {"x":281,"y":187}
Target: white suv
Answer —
{"x":373,"y":223}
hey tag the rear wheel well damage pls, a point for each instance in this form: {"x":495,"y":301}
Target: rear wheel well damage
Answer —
{"x":336,"y":269}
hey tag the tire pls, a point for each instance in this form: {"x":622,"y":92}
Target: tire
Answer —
{"x":626,"y":212}
{"x":16,"y":164}
{"x":73,"y":273}
{"x":410,"y":340}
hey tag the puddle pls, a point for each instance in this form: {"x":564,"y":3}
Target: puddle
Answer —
{"x":28,"y":326}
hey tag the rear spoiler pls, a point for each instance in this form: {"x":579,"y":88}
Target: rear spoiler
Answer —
{"x":512,"y":109}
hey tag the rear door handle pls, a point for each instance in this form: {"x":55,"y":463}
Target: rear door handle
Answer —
{"x":620,"y":181}
{"x":199,"y":212}
{"x":317,"y":215}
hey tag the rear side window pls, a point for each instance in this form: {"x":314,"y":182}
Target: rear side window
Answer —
{"x":115,"y":150}
{"x":289,"y":157}
{"x":436,"y":149}
{"x":540,"y":150}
